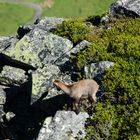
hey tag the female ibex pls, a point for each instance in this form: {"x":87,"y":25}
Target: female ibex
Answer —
{"x":82,"y":89}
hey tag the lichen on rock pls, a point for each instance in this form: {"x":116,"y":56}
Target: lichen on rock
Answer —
{"x":44,"y":51}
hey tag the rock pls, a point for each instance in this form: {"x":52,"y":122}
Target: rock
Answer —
{"x":95,"y":69}
{"x":13,"y":76}
{"x":40,"y":47}
{"x":43,"y":50}
{"x":79,"y":47}
{"x":2,"y":95}
{"x":105,"y":19}
{"x":130,"y":8}
{"x":2,"y":101}
{"x":42,"y":79}
{"x":65,"y":125}
{"x":74,"y":51}
{"x":49,"y":23}
{"x":9,"y":116}
{"x":44,"y":129}
{"x":1,"y":112}
{"x":6,"y":42}
{"x":8,"y":61}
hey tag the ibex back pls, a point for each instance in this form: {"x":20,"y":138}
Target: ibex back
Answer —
{"x":81,"y":89}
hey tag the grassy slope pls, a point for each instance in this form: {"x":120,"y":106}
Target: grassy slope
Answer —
{"x":61,"y":8}
{"x":75,"y":8}
{"x":13,"y":15}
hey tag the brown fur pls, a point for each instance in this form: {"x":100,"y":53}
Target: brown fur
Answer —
{"x":82,"y":89}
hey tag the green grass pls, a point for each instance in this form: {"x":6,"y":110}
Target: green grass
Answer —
{"x":13,"y":15}
{"x":76,"y":8}
{"x":34,"y":1}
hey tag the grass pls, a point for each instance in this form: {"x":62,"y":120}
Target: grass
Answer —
{"x":34,"y":1}
{"x":76,"y":8}
{"x":13,"y":15}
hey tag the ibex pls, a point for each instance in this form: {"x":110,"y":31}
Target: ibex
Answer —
{"x":82,"y":89}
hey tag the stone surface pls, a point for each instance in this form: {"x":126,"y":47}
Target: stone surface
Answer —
{"x":1,"y":112}
{"x":42,"y":78}
{"x":65,"y":125}
{"x":44,"y":51}
{"x":13,"y":76}
{"x":105,"y":19}
{"x":2,"y":95}
{"x":49,"y":23}
{"x":126,"y":7}
{"x":9,"y":116}
{"x":95,"y":69}
{"x":6,"y":42}
{"x":82,"y":45}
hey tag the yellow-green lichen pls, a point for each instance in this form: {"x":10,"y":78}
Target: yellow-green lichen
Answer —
{"x":24,"y":51}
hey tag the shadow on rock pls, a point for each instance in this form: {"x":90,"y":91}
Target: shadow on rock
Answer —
{"x":28,"y":119}
{"x":6,"y":60}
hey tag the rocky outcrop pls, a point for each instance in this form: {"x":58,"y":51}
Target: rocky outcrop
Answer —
{"x":28,"y":66}
{"x":129,"y":8}
{"x":39,"y":57}
{"x":44,"y":51}
{"x":29,"y":104}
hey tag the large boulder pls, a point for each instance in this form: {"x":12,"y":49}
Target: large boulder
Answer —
{"x":65,"y":125}
{"x":126,"y":7}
